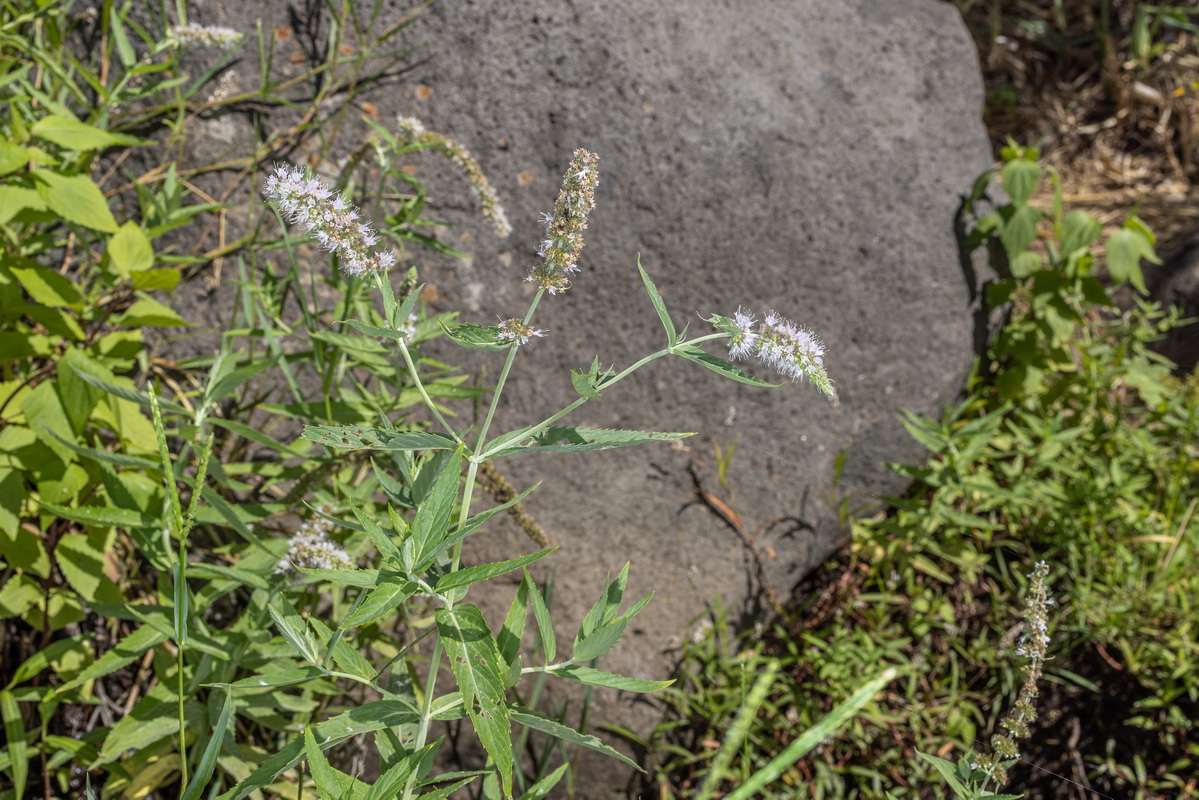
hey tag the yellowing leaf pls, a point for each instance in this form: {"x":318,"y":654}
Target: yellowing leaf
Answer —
{"x":129,"y":250}
{"x":151,"y":313}
{"x":47,"y":287}
{"x":12,"y":157}
{"x":75,"y":135}
{"x":76,"y":198}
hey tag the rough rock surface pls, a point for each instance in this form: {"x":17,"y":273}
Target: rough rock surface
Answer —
{"x":807,"y":157}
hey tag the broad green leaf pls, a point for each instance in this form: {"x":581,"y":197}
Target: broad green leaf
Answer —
{"x":385,"y":597}
{"x":103,"y":517}
{"x":150,"y":721}
{"x":1079,"y":229}
{"x":15,"y":199}
{"x":75,"y":198}
{"x":1020,"y":179}
{"x":212,"y":750}
{"x":330,"y":783}
{"x":431,"y":523}
{"x":577,"y":440}
{"x":80,"y":558}
{"x":47,"y":287}
{"x":355,"y":437}
{"x":12,"y":494}
{"x":125,"y":652}
{"x":45,"y":416}
{"x":12,"y":157}
{"x":18,"y":750}
{"x":44,"y":658}
{"x":1019,"y":229}
{"x":587,"y":383}
{"x":21,"y":593}
{"x":150,"y":313}
{"x":949,"y":772}
{"x":130,"y":250}
{"x":477,"y":665}
{"x":607,"y":605}
{"x":446,"y":791}
{"x":721,"y":367}
{"x":78,"y":398}
{"x":482,"y":572}
{"x":368,"y":717}
{"x":655,"y":297}
{"x":74,"y":135}
{"x":25,"y":551}
{"x":476,"y":337}
{"x":1125,"y":249}
{"x":147,"y":280}
{"x":541,"y":615}
{"x":608,"y":680}
{"x":550,"y":727}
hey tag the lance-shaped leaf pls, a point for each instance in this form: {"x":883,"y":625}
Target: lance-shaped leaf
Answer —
{"x":212,"y":750}
{"x":363,"y":719}
{"x":541,"y":615}
{"x":720,"y":366}
{"x":578,"y":440}
{"x":608,"y":680}
{"x":482,"y":572}
{"x":356,"y":437}
{"x":478,"y":669}
{"x":476,"y":337}
{"x":391,"y":591}
{"x":331,"y":783}
{"x":659,"y":305}
{"x":294,"y":629}
{"x":125,"y":652}
{"x":538,"y":722}
{"x":431,"y":523}
{"x":383,"y":543}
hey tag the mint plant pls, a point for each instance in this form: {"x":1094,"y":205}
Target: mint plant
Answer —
{"x":418,"y":545}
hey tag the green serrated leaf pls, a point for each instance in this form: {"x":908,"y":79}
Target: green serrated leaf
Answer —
{"x":577,"y":440}
{"x":550,"y":727}
{"x":476,"y":663}
{"x":294,"y":629}
{"x":482,"y":572}
{"x":541,"y":615}
{"x":103,"y":517}
{"x":608,"y":680}
{"x":430,"y":526}
{"x":475,"y":337}
{"x":1079,"y":229}
{"x":390,"y":592}
{"x":721,"y":367}
{"x":655,"y":297}
{"x":283,"y":677}
{"x":383,"y":543}
{"x":356,"y":437}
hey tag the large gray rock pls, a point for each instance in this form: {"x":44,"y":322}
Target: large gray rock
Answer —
{"x":807,"y":157}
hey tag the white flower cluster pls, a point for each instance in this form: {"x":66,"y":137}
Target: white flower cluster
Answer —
{"x":206,"y":36}
{"x":413,"y":130}
{"x":517,"y":332}
{"x":311,"y":548}
{"x":792,"y":350}
{"x":565,"y":225}
{"x":311,"y":205}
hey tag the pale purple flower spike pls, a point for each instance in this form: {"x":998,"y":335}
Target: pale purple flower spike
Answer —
{"x":309,"y":204}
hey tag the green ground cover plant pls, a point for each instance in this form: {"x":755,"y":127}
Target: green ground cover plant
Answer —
{"x":1074,"y":445}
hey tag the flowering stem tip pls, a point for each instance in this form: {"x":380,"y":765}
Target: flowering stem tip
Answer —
{"x":791,"y":349}
{"x":564,"y":227}
{"x":309,"y":204}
